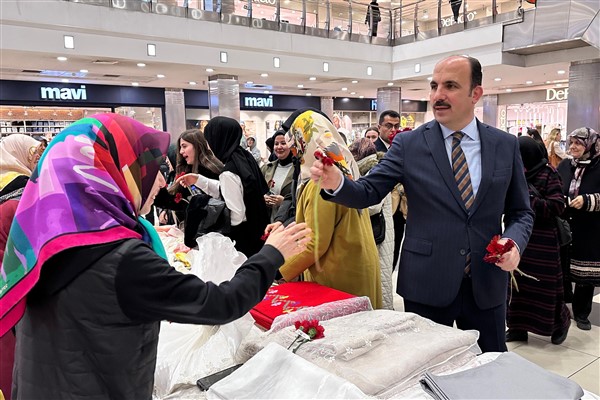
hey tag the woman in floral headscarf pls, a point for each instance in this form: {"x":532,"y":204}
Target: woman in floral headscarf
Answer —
{"x":347,"y":254}
{"x":87,"y":277}
{"x":581,"y":184}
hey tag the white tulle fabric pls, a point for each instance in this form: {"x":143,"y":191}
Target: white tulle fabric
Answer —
{"x":323,"y":312}
{"x":383,"y":352}
{"x":189,"y":352}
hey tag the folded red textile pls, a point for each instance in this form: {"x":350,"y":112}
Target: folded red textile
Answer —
{"x":289,"y":297}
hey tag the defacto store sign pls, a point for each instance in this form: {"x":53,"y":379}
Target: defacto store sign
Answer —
{"x":258,"y":102}
{"x":450,"y":21}
{"x":59,"y":94}
{"x":557,"y":95}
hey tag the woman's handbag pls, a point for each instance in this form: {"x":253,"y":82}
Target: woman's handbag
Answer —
{"x":205,"y":214}
{"x":378,"y":225}
{"x":562,"y":225}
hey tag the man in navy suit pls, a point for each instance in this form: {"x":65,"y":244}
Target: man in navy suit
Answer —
{"x":442,"y":275}
{"x":389,"y":124}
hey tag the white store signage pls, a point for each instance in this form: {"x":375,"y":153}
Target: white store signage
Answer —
{"x":553,"y":94}
{"x":258,"y":102}
{"x":55,"y":93}
{"x":270,"y":2}
{"x":450,"y":21}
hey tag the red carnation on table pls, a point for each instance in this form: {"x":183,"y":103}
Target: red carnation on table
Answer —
{"x":307,"y":331}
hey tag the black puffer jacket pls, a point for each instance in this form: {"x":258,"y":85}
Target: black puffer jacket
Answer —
{"x":91,"y":326}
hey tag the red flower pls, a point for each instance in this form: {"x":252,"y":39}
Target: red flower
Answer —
{"x":179,"y":175}
{"x":391,"y":136}
{"x":324,"y":159}
{"x":178,"y":198}
{"x":264,"y":237}
{"x":495,"y":250}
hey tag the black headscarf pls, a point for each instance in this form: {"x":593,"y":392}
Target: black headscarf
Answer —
{"x":288,"y":159}
{"x":533,"y":154}
{"x":223,"y":135}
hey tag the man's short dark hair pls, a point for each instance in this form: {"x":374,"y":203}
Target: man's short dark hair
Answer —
{"x":476,"y":74}
{"x":390,"y":113}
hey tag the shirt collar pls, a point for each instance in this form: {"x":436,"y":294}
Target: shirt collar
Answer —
{"x":470,"y":130}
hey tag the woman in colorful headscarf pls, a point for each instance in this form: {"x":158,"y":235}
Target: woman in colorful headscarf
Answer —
{"x":539,"y":305}
{"x":241,"y":184}
{"x":345,"y":248}
{"x":88,"y":276}
{"x":581,"y":184}
{"x":19,"y":154}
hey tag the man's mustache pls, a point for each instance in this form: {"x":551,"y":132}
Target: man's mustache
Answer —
{"x":441,"y":103}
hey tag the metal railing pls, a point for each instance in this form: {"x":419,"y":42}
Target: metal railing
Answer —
{"x":411,"y":20}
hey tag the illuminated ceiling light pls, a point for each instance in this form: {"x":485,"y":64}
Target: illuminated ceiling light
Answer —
{"x":354,"y":81}
{"x":266,"y":92}
{"x":390,"y":84}
{"x":406,"y":101}
{"x":223,"y":57}
{"x":62,"y":58}
{"x":352,"y":92}
{"x":509,"y":90}
{"x":300,"y":86}
{"x":64,"y":80}
{"x":529,"y":82}
{"x":430,"y":78}
{"x":249,"y":83}
{"x":548,"y":82}
{"x":497,"y":79}
{"x":276,"y":62}
{"x":69,"y":42}
{"x":325,"y":67}
{"x":135,"y":84}
{"x":312,"y":78}
{"x":369,"y":71}
{"x":141,"y":65}
{"x":561,"y":72}
{"x":361,"y":97}
{"x":192,"y":83}
{"x":309,"y":94}
{"x":210,"y":70}
{"x":160,"y":76}
{"x":344,"y":89}
{"x":84,"y":71}
{"x":559,"y":85}
{"x":418,"y":67}
{"x":264,"y":75}
{"x":151,"y":49}
{"x":423,"y":99}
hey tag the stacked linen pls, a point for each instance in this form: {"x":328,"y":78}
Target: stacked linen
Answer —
{"x":382,"y":352}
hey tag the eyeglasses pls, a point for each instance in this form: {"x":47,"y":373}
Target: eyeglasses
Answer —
{"x":389,"y":125}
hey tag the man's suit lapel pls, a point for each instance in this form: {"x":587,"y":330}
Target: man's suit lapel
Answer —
{"x":488,"y":149}
{"x":435,"y":141}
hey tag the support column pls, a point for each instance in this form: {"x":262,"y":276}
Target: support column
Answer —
{"x":388,"y":98}
{"x":224,"y":96}
{"x":327,"y":106}
{"x":584,"y":103}
{"x":490,"y":111}
{"x":174,"y":113}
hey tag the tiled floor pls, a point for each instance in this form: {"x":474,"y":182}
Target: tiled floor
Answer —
{"x":578,"y":358}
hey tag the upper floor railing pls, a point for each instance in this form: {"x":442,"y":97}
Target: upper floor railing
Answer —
{"x":406,"y":21}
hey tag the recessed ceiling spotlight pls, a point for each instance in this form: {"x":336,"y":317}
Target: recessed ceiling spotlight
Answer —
{"x":210,"y":70}
{"x":64,"y":80}
{"x":135,"y":84}
{"x":509,"y":90}
{"x":418,"y":67}
{"x":529,"y":82}
{"x":352,"y":92}
{"x":497,"y":79}
{"x":559,"y":85}
{"x":423,"y":99}
{"x":84,"y":71}
{"x":62,"y":58}
{"x":369,"y":71}
{"x":264,"y":75}
{"x":361,"y":97}
{"x":141,"y":65}
{"x":390,"y":83}
{"x":548,"y":82}
{"x":561,"y":72}
{"x":309,"y":94}
{"x":312,"y":78}
{"x":192,"y":83}
{"x":406,"y":101}
{"x":300,"y":86}
{"x":151,"y":49}
{"x":276,"y":62}
{"x":160,"y":76}
{"x":223,"y":57}
{"x":249,"y":83}
{"x":344,"y":89}
{"x":325,"y":67}
{"x":354,"y":81}
{"x":266,"y":92}
{"x":429,"y":78}
{"x":69,"y":42}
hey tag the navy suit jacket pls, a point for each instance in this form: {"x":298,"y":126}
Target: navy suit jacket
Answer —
{"x":380,"y":146}
{"x":439,"y":230}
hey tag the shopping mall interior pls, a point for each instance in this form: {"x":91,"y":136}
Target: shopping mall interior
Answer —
{"x":174,"y":64}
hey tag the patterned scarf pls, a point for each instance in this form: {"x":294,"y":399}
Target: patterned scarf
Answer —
{"x":588,"y":138}
{"x":87,"y":189}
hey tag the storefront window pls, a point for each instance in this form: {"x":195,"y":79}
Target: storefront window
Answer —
{"x":149,"y":116}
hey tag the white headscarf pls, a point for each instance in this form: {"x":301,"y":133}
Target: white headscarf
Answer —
{"x":16,"y":154}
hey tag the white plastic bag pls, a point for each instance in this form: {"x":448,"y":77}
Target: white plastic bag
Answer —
{"x":188,"y":352}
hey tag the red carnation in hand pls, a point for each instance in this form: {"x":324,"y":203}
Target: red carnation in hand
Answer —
{"x":178,"y":198}
{"x":179,"y":175}
{"x":495,"y":250}
{"x":323,"y":158}
{"x":264,"y":237}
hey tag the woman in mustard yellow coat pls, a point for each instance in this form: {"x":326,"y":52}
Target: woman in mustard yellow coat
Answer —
{"x":346,"y":250}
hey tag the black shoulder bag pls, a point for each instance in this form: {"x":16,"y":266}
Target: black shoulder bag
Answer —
{"x":564,"y":229}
